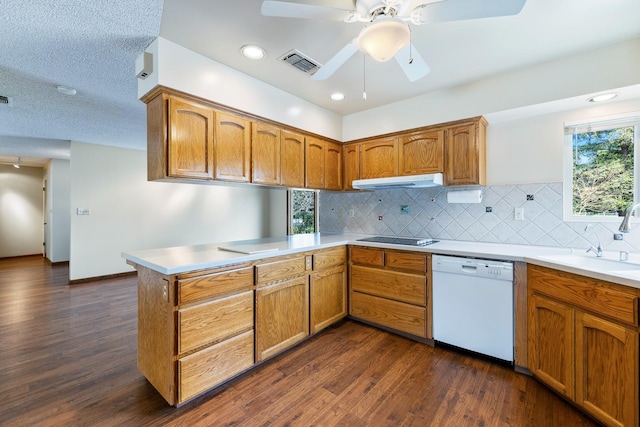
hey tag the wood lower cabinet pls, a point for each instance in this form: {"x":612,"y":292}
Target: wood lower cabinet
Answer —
{"x":195,"y":330}
{"x":282,"y":316}
{"x":328,"y":288}
{"x":583,"y":342}
{"x":390,"y":288}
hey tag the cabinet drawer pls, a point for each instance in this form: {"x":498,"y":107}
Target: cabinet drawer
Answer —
{"x":214,"y":321}
{"x":392,"y":314}
{"x":277,"y":270}
{"x":405,"y":287}
{"x":329,"y":258}
{"x":406,"y":261}
{"x":367,"y":256}
{"x":585,"y":292}
{"x":211,"y":285}
{"x":213,"y":365}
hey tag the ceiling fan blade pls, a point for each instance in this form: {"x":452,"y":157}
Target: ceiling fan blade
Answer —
{"x":412,"y":63}
{"x":333,"y":10}
{"x":336,"y":61}
{"x":457,"y":10}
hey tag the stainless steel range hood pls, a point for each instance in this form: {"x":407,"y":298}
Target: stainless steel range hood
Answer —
{"x":410,"y":181}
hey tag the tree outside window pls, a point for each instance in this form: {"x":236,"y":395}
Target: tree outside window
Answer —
{"x":603,"y":168}
{"x":302,"y":211}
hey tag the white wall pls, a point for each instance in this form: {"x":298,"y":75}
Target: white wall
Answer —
{"x":598,"y":70}
{"x":179,"y":68}
{"x":529,"y":149}
{"x":129,"y":213}
{"x":58,"y":215}
{"x":21,"y":211}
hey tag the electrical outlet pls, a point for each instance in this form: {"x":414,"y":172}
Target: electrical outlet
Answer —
{"x":618,"y":236}
{"x":518,"y":214}
{"x":352,"y":213}
{"x":404,"y":210}
{"x":83,"y":211}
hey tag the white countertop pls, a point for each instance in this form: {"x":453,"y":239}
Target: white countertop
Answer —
{"x":182,"y":259}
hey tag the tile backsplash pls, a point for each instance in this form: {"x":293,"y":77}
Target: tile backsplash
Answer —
{"x":426,"y":213}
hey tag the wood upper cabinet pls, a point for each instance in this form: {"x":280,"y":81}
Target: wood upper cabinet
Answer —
{"x":292,"y":159}
{"x":315,"y":163}
{"x":465,"y":154}
{"x":421,"y":153}
{"x":332,"y":166}
{"x":265,"y":154}
{"x":232,"y":148}
{"x":190,"y":133}
{"x":351,"y":156}
{"x":379,"y":158}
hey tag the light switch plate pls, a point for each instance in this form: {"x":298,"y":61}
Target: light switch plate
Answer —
{"x":518,"y":214}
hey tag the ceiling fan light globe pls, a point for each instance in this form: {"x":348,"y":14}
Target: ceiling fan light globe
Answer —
{"x":384,"y":38}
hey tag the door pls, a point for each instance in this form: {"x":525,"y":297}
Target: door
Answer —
{"x":607,"y":370}
{"x":462,"y":156}
{"x":232,"y":148}
{"x":421,"y":153}
{"x":314,"y":169}
{"x":328,"y":297}
{"x":551,"y":344}
{"x":282,"y":316}
{"x":379,"y":159}
{"x":333,"y":166}
{"x":292,"y":160}
{"x":265,"y":154}
{"x":351,"y":165}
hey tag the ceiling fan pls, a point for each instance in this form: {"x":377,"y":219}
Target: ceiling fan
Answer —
{"x":387,"y":34}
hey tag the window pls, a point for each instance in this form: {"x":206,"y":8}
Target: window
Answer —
{"x":302,"y":211}
{"x":601,"y":168}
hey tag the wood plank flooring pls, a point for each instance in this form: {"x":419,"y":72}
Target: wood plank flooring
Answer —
{"x":68,"y":358}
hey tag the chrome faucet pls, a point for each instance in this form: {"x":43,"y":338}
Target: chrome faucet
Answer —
{"x":596,"y":250}
{"x":624,"y":227}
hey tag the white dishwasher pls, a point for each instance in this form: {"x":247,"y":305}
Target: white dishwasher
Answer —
{"x":473,"y":305}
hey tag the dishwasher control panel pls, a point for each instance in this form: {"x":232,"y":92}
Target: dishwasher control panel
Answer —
{"x":501,"y":270}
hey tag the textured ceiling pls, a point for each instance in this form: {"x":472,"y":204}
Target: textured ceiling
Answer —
{"x":92,"y":46}
{"x":89,"y":46}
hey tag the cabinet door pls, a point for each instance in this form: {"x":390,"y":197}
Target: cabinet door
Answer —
{"x":282,"y":316}
{"x":333,"y":166}
{"x":551,"y":344}
{"x":351,"y":155}
{"x":265,"y":154}
{"x":464,"y":156}
{"x":292,"y":159}
{"x":232,"y":147}
{"x":379,"y":159}
{"x":328,"y":291}
{"x":421,"y":153}
{"x":314,"y":169}
{"x":607,"y":370}
{"x":190,"y":140}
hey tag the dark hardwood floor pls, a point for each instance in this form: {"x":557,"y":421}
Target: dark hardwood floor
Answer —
{"x":68,"y":358}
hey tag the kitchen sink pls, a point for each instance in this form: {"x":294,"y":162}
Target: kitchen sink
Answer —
{"x":590,"y":262}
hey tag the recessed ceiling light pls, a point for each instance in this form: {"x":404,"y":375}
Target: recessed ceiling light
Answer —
{"x":337,"y":96}
{"x":252,"y":52}
{"x":67,"y":90}
{"x":602,"y":97}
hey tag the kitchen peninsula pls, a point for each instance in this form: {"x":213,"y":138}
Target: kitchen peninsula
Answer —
{"x":208,"y":313}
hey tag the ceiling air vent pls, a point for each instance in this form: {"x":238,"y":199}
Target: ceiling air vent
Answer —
{"x":301,"y":62}
{"x":6,"y":101}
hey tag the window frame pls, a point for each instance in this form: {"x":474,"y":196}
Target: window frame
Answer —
{"x":606,"y":122}
{"x":290,"y":210}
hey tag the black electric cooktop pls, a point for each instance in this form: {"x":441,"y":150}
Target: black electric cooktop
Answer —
{"x":399,"y":241}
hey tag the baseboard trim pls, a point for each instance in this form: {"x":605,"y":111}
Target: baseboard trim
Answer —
{"x":98,"y":278}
